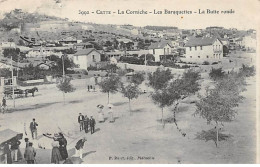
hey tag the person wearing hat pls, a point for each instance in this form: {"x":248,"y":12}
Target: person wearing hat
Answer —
{"x":92,"y":124}
{"x":63,"y":146}
{"x":30,"y":154}
{"x":100,"y":113}
{"x":86,"y":123}
{"x":55,"y":153}
{"x":79,"y":147}
{"x":81,"y":121}
{"x":33,"y":129}
{"x":26,"y":142}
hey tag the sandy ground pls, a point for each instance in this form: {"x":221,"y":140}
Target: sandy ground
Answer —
{"x":136,"y":137}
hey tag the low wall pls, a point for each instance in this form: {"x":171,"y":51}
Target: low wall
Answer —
{"x":147,"y":68}
{"x":34,"y":81}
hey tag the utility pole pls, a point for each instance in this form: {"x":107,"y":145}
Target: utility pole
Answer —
{"x":12,"y":81}
{"x":63,"y":69}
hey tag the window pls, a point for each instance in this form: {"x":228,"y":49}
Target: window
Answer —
{"x":153,"y":51}
{"x":195,"y":47}
{"x":93,"y":58}
{"x":213,"y":55}
{"x":190,"y":48}
{"x":168,"y":51}
{"x":200,"y":47}
{"x":198,"y":56}
{"x":190,"y":56}
{"x":207,"y":56}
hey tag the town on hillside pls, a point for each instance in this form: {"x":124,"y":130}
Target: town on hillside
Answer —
{"x":77,"y":92}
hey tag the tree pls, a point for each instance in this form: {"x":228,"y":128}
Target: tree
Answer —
{"x":110,"y":85}
{"x":216,"y":74}
{"x":137,"y":78}
{"x":162,"y":98}
{"x":247,"y":71}
{"x":130,"y":91}
{"x":65,"y":86}
{"x":218,"y":105}
{"x":160,"y":78}
{"x":12,"y":52}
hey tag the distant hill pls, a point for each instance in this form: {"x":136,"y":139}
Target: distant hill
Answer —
{"x":16,"y":18}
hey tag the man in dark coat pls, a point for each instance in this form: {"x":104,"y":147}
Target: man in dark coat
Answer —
{"x":81,"y":121}
{"x":86,"y":123}
{"x":33,"y":129}
{"x":79,"y":147}
{"x":92,"y":124}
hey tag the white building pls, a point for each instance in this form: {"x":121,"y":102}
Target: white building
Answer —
{"x":160,"y":49}
{"x":42,"y":52}
{"x":202,"y":49}
{"x":87,"y":57}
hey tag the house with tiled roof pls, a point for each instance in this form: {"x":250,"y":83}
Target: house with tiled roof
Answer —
{"x":203,"y":49}
{"x":160,"y":49}
{"x":87,"y":57}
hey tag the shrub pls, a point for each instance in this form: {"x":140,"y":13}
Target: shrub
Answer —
{"x":214,"y":63}
{"x":205,"y":63}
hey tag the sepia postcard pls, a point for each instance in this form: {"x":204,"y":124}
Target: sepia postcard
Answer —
{"x":129,"y":82}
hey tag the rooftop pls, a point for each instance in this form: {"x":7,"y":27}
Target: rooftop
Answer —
{"x":201,"y":41}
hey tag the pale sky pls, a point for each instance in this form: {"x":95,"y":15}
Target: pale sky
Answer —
{"x":246,"y":11}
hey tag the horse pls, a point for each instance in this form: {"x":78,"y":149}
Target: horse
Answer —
{"x":31,"y":91}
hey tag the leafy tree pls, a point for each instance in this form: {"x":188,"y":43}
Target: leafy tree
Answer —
{"x":162,"y":98}
{"x":65,"y":86}
{"x":216,"y":74}
{"x":137,"y":78}
{"x":130,"y":91}
{"x":160,"y":78}
{"x":110,"y":85}
{"x":218,"y":105}
{"x":247,"y":71}
{"x":11,"y":52}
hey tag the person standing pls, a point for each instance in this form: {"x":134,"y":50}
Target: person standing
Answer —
{"x":100,"y":113}
{"x":15,"y":149}
{"x":26,"y":142}
{"x":30,"y":154}
{"x":110,"y":114}
{"x":7,"y":153}
{"x":86,"y":123}
{"x":4,"y":105}
{"x":92,"y":124}
{"x":33,"y":129}
{"x":79,"y":147}
{"x":81,"y":121}
{"x":55,"y":153}
{"x":63,"y":146}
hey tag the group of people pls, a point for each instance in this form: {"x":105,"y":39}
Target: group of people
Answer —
{"x":85,"y":123}
{"x":59,"y":148}
{"x":101,"y":117}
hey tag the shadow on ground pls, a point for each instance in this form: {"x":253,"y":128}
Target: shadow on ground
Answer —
{"x":75,"y":101}
{"x":119,"y":103}
{"x":212,"y":135}
{"x":33,"y":107}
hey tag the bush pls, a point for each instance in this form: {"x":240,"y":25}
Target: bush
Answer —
{"x":205,"y":63}
{"x":92,"y":68}
{"x":216,"y":74}
{"x":214,"y":63}
{"x":247,"y":71}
